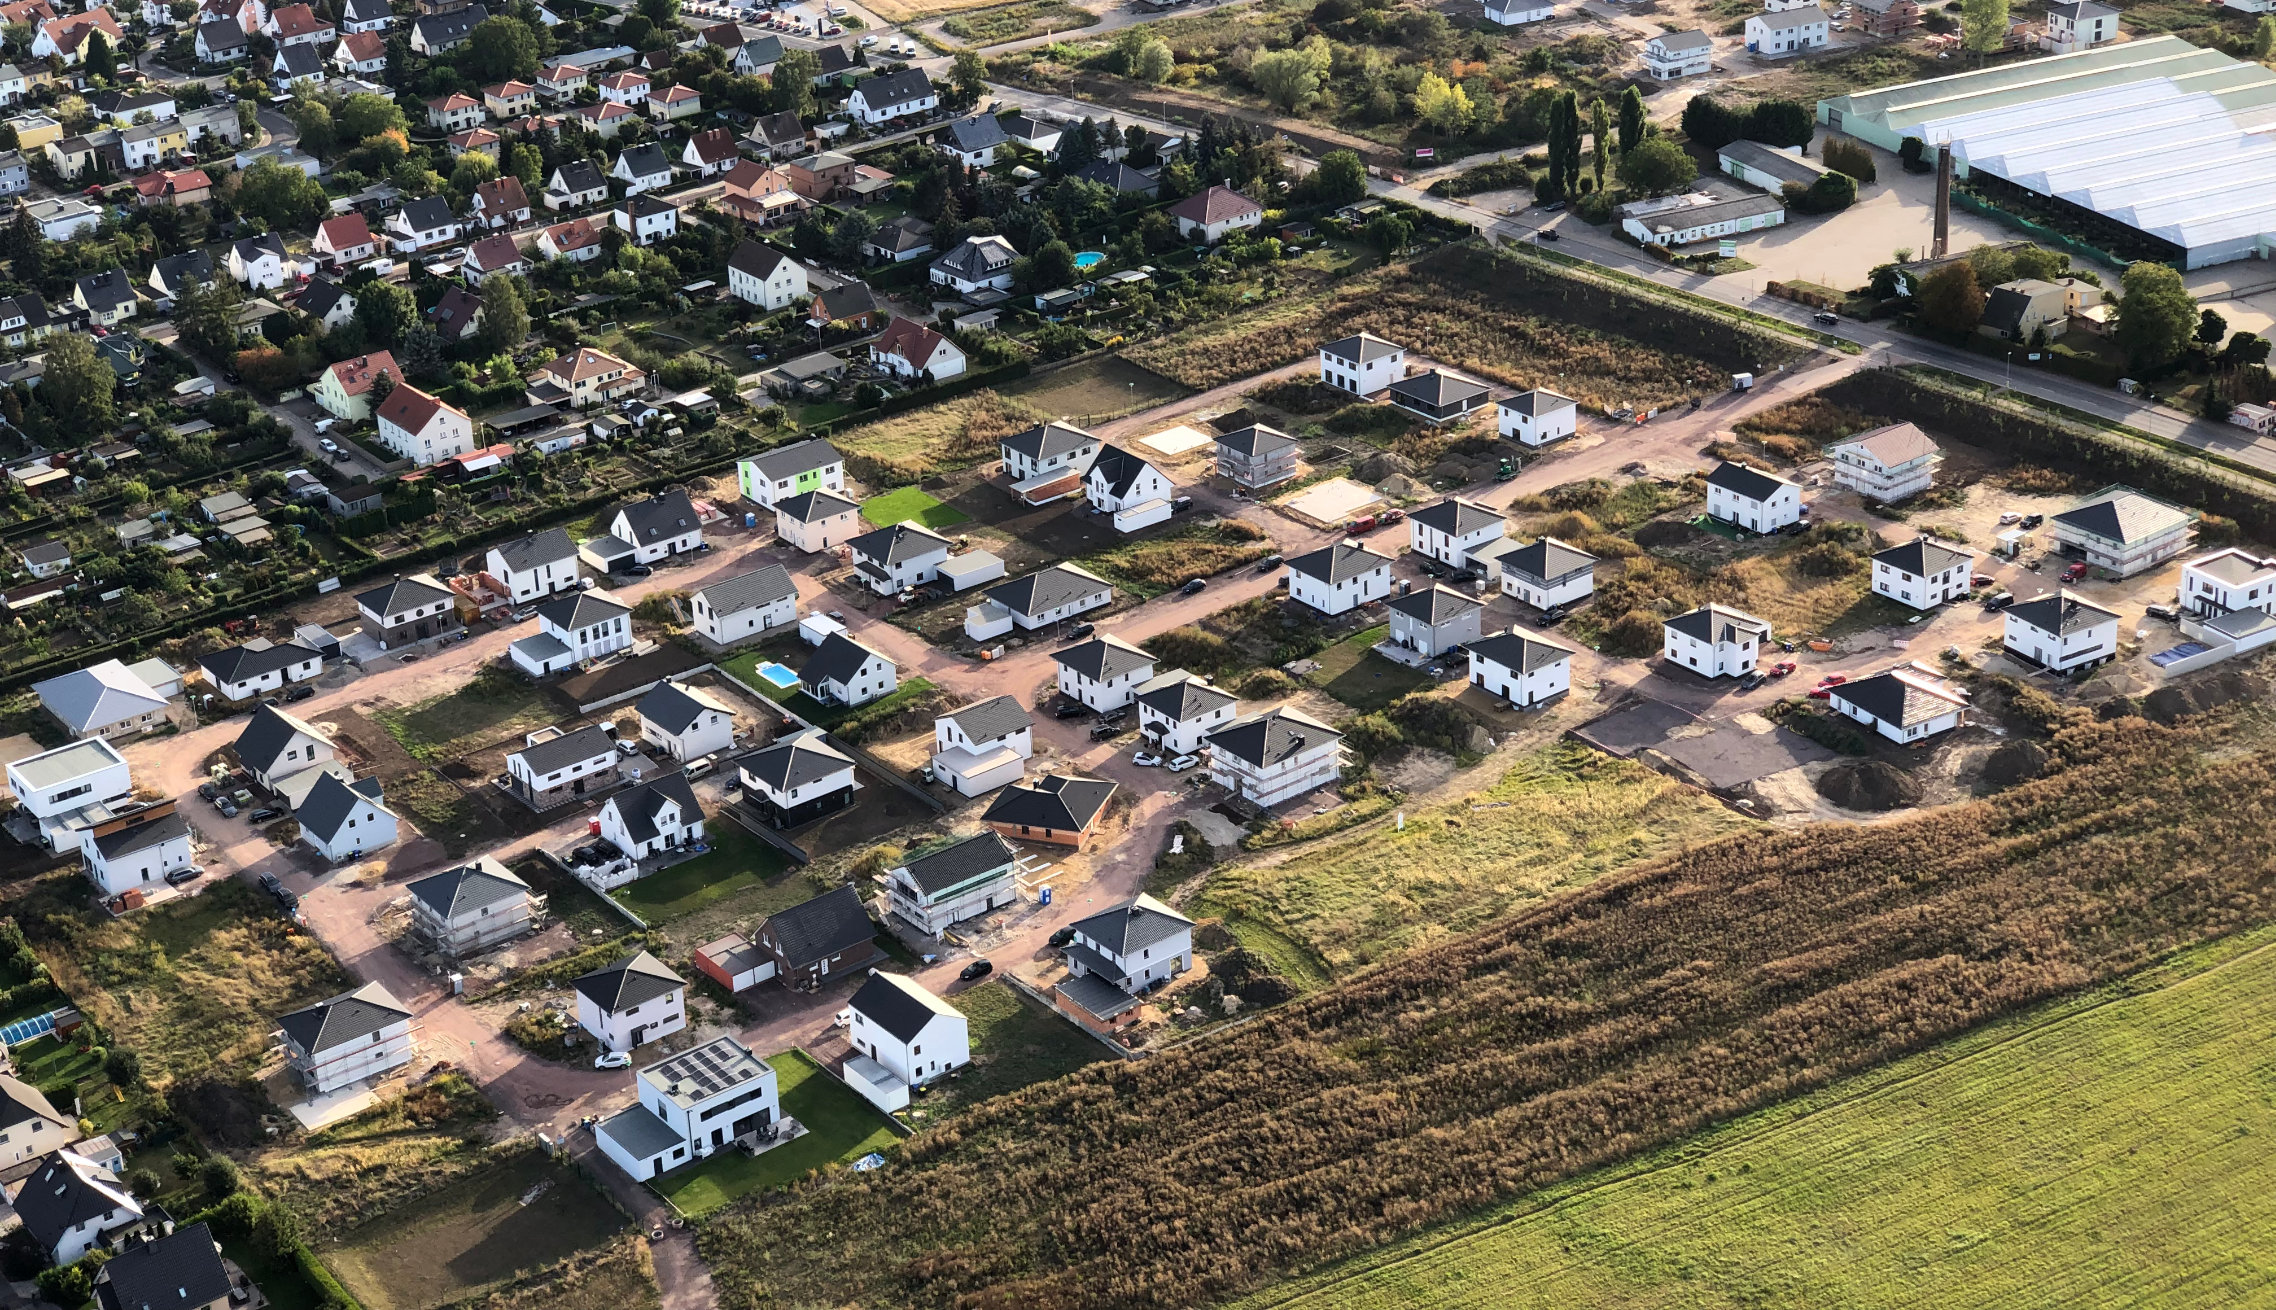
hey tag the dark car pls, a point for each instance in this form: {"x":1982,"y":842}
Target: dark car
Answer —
{"x":1268,"y":563}
{"x":1823,"y":316}
{"x":299,"y":693}
{"x":1070,"y":710}
{"x":637,"y":571}
{"x":1102,"y":731}
{"x":1062,"y":937}
{"x":976,"y":969}
{"x":1193,"y":588}
{"x":208,"y":791}
{"x":2033,"y":520}
{"x":1550,"y":234}
{"x":271,"y":884}
{"x":2000,"y":601}
{"x":2170,"y":613}
{"x":186,"y":874}
{"x":1751,"y":681}
{"x":1081,"y":629}
{"x":1181,"y":504}
{"x":264,"y":815}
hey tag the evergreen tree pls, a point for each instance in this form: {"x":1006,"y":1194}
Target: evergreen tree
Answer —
{"x":1600,"y":138}
{"x":101,"y":64}
{"x":1632,"y":119}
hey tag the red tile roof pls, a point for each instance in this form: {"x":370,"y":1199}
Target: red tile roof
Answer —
{"x":563,"y":73}
{"x":356,"y":375}
{"x":586,"y":362}
{"x":411,"y":409}
{"x":363,"y":47}
{"x":493,"y":252}
{"x":502,"y":195}
{"x":909,"y":339}
{"x":509,"y":90}
{"x":714,"y":145}
{"x":672,"y":95}
{"x":624,"y":81}
{"x":345,"y":232}
{"x":297,"y":20}
{"x":474,"y":138}
{"x":1215,"y":205}
{"x":576,"y":234}
{"x":455,"y":100}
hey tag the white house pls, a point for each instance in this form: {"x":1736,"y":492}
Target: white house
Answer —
{"x":658,"y":527}
{"x":649,"y":218}
{"x":937,"y":889}
{"x":70,"y":1202}
{"x":2124,"y":531}
{"x":1103,"y":672}
{"x":1887,"y":464}
{"x":1547,"y":574}
{"x":1452,"y":529}
{"x":2228,"y":580}
{"x":136,"y":852}
{"x":1176,"y":710}
{"x":982,"y":746}
{"x":691,"y":1105}
{"x":2061,"y":631}
{"x":816,"y":521}
{"x":746,"y":605}
{"x":893,"y":95}
{"x":1116,"y":954}
{"x":107,"y":699}
{"x":842,"y":671}
{"x":1539,"y":416}
{"x":798,"y":779}
{"x":908,"y":349}
{"x":352,"y":1038}
{"x":572,"y":629}
{"x":492,"y":255}
{"x":1362,"y":365}
{"x":35,"y":1128}
{"x":343,"y":820}
{"x":630,"y":1003}
{"x":275,"y":745}
{"x":68,"y":790}
{"x":1510,"y":13}
{"x":976,"y":264}
{"x":1749,"y":498}
{"x":972,"y":140}
{"x":423,"y":224}
{"x":421,"y":428}
{"x":1788,"y":31}
{"x":893,"y":559}
{"x":1679,"y":54}
{"x":1433,"y":620}
{"x":551,"y":770}
{"x":2074,"y":25}
{"x":576,"y":184}
{"x":1275,"y":756}
{"x":686,"y":723}
{"x":762,"y":275}
{"x":1046,"y":596}
{"x":1047,"y":461}
{"x":1339,"y":578}
{"x":345,"y":240}
{"x":534,"y":566}
{"x":642,"y":168}
{"x":1904,"y":704}
{"x":1214,"y":213}
{"x":914,"y":1034}
{"x":802,"y":466}
{"x":1923,"y":573}
{"x":661,"y":814}
{"x":240,"y":673}
{"x":259,"y":262}
{"x":1521,"y":668}
{"x":1715,"y":641}
{"x":1135,"y":492}
{"x":472,"y":907}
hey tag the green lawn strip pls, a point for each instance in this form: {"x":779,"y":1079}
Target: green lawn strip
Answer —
{"x":840,"y":1128}
{"x":736,"y":862}
{"x":1353,"y":673}
{"x":908,"y":503}
{"x":746,"y":667}
{"x":1015,"y":1042}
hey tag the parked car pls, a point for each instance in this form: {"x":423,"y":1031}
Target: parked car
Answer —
{"x":1183,"y":762}
{"x":638,"y":571}
{"x":612,"y":1060}
{"x":1070,"y":710}
{"x":1103,"y":731}
{"x":1826,"y":317}
{"x":328,"y":446}
{"x":2033,"y":520}
{"x":2170,"y":613}
{"x":1433,"y":569}
{"x":183,"y":876}
{"x":294,"y":695}
{"x":1268,"y":563}
{"x":207,"y":791}
{"x":227,"y":807}
{"x":1781,"y":668}
{"x":1146,"y":760}
{"x":1062,"y":937}
{"x":2075,"y":571}
{"x":264,"y":815}
{"x":1752,"y":681}
{"x":1980,"y":580}
{"x":2012,"y":516}
{"x":976,"y":969}
{"x":1833,"y":679}
{"x":1180,"y":504}
{"x":1193,"y":587}
{"x":1080,"y":630}
{"x":1999,"y":601}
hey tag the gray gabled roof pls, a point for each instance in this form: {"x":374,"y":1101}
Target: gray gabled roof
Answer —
{"x":1134,"y":925}
{"x":1923,"y":557}
{"x":1457,"y":517}
{"x":639,"y":806}
{"x":1255,"y":440}
{"x":978,"y":132}
{"x":659,"y":517}
{"x":760,"y":260}
{"x":1695,"y":39}
{"x":106,"y":290}
{"x":675,"y":708}
{"x":1715,"y":624}
{"x":1521,"y":651}
{"x":320,"y":297}
{"x":822,"y":927}
{"x":899,"y":543}
{"x":580,"y":610}
{"x":645,"y":160}
{"x":183,"y":1269}
{"x":142,"y":836}
{"x":348,"y":1017}
{"x":798,"y":457}
{"x":997,"y":716}
{"x":746,"y":591}
{"x":266,"y":734}
{"x":96,"y":695}
{"x":1115,"y":174}
{"x":581,"y":175}
{"x":2123,"y":516}
{"x":634,"y":980}
{"x":1275,"y":735}
{"x":238,"y":663}
{"x":329,"y":804}
{"x":837,"y":659}
{"x":959,"y":863}
{"x":899,"y":1005}
{"x":813,"y":506}
{"x":1340,"y":562}
{"x":1052,"y":801}
{"x":21,"y":1102}
{"x":1435,"y":605}
{"x":797,"y":760}
{"x":1537,"y":402}
{"x":438,"y":29}
{"x":1047,"y":589}
{"x":557,"y":753}
{"x":1182,"y":696}
{"x":524,"y":554}
{"x":2060,"y":612}
{"x":1047,"y":440}
{"x":1119,"y":467}
{"x":69,"y":1190}
{"x":1104,"y":658}
{"x":299,"y":60}
{"x":1546,"y":560}
{"x":1743,"y":481}
{"x":1365,"y":348}
{"x":468,"y":887}
{"x":895,"y":88}
{"x":398,"y":595}
{"x":1782,"y":19}
{"x":1897,"y":700}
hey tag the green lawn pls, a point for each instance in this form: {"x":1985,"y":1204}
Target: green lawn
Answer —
{"x":490,"y":707}
{"x":841,"y":1127}
{"x":736,"y":862}
{"x":2103,"y":1151}
{"x":1015,"y":1042}
{"x":1353,"y":673}
{"x":49,"y":1061}
{"x":907,"y":503}
{"x":826,"y":717}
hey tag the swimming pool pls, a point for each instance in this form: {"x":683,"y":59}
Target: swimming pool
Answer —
{"x":1085,"y":259}
{"x":778,"y":675}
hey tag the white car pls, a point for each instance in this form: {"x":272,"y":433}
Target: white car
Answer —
{"x":868,"y":41}
{"x":1145,"y":760}
{"x":1184,"y":762}
{"x":612,"y":1060}
{"x":328,"y":446}
{"x":842,"y":1018}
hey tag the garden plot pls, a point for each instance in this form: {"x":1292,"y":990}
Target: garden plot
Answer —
{"x":840,"y":1128}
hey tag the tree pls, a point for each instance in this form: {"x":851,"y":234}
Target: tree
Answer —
{"x":314,"y":119}
{"x":24,"y":247}
{"x":1951,"y":299}
{"x":1710,"y":124}
{"x":1052,"y":266}
{"x":281,"y":196}
{"x":2211,"y":327}
{"x":663,"y":13}
{"x":2245,"y":350}
{"x":2040,"y":262}
{"x":2156,"y":315}
{"x":1633,"y":119}
{"x":382,"y":384}
{"x":422,"y":353}
{"x":968,"y":75}
{"x":363,"y":116}
{"x":1846,"y":156}
{"x":249,"y":118}
{"x":2264,"y":38}
{"x":1341,"y":179}
{"x":1389,"y":233}
{"x":847,"y":235}
{"x":1912,"y":152}
{"x":1780,"y":122}
{"x":1983,"y":25}
{"x":1600,"y":138}
{"x":386,"y":312}
{"x":1074,"y":151}
{"x":526,"y":163}
{"x":1285,"y":77}
{"x":220,"y":1176}
{"x":472,"y":170}
{"x":1155,"y":62}
{"x":1443,"y":108}
{"x":499,"y":50}
{"x":102,"y":65}
{"x":505,"y":320}
{"x":79,"y":383}
{"x":793,"y":81}
{"x":206,"y":317}
{"x":1657,"y":167}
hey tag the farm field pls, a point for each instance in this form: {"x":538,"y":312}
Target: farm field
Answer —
{"x":841,"y":1128}
{"x":2104,"y":1151}
{"x":1095,"y":389}
{"x":907,"y":503}
{"x":736,"y":863}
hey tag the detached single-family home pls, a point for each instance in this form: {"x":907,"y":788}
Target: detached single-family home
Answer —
{"x":1887,"y":464}
{"x":534,"y":566}
{"x":802,"y":466}
{"x":1056,"y":810}
{"x":1437,"y":395}
{"x":423,"y":429}
{"x":1274,"y":756}
{"x":1049,"y":595}
{"x":108,"y":297}
{"x":499,"y":203}
{"x":71,"y":1205}
{"x":691,"y":1105}
{"x":360,"y":54}
{"x":1135,"y":492}
{"x":586,"y":377}
{"x":661,"y":814}
{"x":405,"y":610}
{"x":240,"y":673}
{"x":1749,"y":498}
{"x":777,"y":136}
{"x":1362,"y":365}
{"x":1715,"y":641}
{"x":182,"y":1268}
{"x":972,"y":141}
{"x":1520,"y":667}
{"x":659,"y":527}
{"x":436,"y":33}
{"x":893,"y":95}
{"x":2061,"y":631}
{"x":1785,"y":32}
{"x":628,"y":88}
{"x":798,"y":779}
{"x":628,"y":1004}
{"x":365,"y":16}
{"x":914,"y":1035}
{"x":423,"y":224}
{"x":456,"y":112}
{"x":647,"y":218}
{"x":2124,"y":531}
{"x":67,"y":791}
{"x":491,"y":255}
{"x":579,"y":240}
{"x":33,"y":1125}
{"x":573,"y":628}
{"x":686,"y":723}
{"x":908,"y":349}
{"x":1434,"y":620}
{"x":1257,"y":457}
{"x":296,"y":67}
{"x":2074,"y":25}
{"x":345,"y":240}
{"x":1539,"y":416}
{"x":1547,"y":574}
{"x":1103,"y":672}
{"x":669,"y":104}
{"x":1215,"y":213}
{"x":762,"y":275}
{"x":642,"y":168}
{"x":340,"y":819}
{"x":1923,"y":573}
{"x":1177,"y":710}
{"x":1048,"y":461}
{"x":220,"y":41}
{"x":344,"y":389}
{"x":1510,"y":13}
{"x":472,"y":908}
{"x":937,"y":889}
{"x":977,"y":264}
{"x":1114,"y":955}
{"x":710,"y":152}
{"x":829,"y":935}
{"x":1340,"y":578}
{"x":2226,"y":581}
{"x":1679,"y":54}
{"x":982,"y":746}
{"x":1904,"y":704}
{"x":352,"y":1038}
{"x":1454,"y":529}
{"x":893,"y":559}
{"x":556,"y":768}
{"x":259,"y":262}
{"x":576,"y":184}
{"x":746,"y":605}
{"x":842,"y":671}
{"x":136,"y":852}
{"x":327,"y":302}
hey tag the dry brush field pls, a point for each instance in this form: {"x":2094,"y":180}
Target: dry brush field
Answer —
{"x":1619,"y":1018}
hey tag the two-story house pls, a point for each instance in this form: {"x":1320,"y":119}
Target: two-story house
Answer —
{"x":1887,"y":464}
{"x":982,"y":746}
{"x":935,"y":889}
{"x":554,"y":768}
{"x":2123,"y":531}
{"x":2060,"y":631}
{"x":422,"y":428}
{"x":1048,"y":461}
{"x":659,"y":527}
{"x":2226,"y":581}
{"x":1538,"y":417}
{"x":71,"y":1205}
{"x":1546,"y":574}
{"x":423,"y":224}
{"x":1520,"y":667}
{"x":137,"y":852}
{"x":1118,"y":953}
{"x":68,"y":790}
{"x":913,"y":1036}
{"x":1714,"y":641}
{"x":1340,"y":578}
{"x":1432,"y":620}
{"x":586,"y":377}
{"x":691,"y":1104}
{"x":901,"y":94}
{"x":1749,"y":498}
{"x":345,"y":240}
{"x":1363,"y":364}
{"x":785,"y":471}
{"x":976,"y":264}
{"x":661,"y":814}
{"x":259,"y":262}
{"x":1103,"y":672}
{"x":842,"y":671}
{"x":686,"y":723}
{"x":1782,"y":33}
{"x":641,"y":168}
{"x":343,"y":820}
{"x":1257,"y":458}
{"x":1671,"y":55}
{"x":632,"y":1002}
{"x":499,"y":203}
{"x":1454,"y":529}
{"x":647,"y":219}
{"x":746,"y":605}
{"x":534,"y":566}
{"x":344,"y":389}
{"x":799,"y":778}
{"x":1923,"y":573}
{"x":406,"y":610}
{"x":352,"y":1038}
{"x":490,"y":256}
{"x":1135,"y":492}
{"x":1178,"y":710}
{"x":1274,"y":756}
{"x":576,"y":184}
{"x":2074,"y":25}
{"x":108,"y":297}
{"x":893,"y":559}
{"x":573,"y":628}
{"x":472,"y":908}
{"x":759,"y":274}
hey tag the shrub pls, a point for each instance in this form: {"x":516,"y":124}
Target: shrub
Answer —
{"x":145,"y":1183}
{"x":236,"y":1215}
{"x":1846,"y":156}
{"x":124,"y":1068}
{"x":220,"y":1177}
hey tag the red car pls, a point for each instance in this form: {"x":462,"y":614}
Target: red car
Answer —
{"x":1833,"y":680}
{"x":1980,"y":580}
{"x":1821,"y":693}
{"x":1781,"y":668}
{"x":2075,"y":572}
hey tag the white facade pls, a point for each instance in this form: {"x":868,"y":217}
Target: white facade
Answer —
{"x":2123,"y":531}
{"x":1452,"y":529}
{"x":1103,"y":672}
{"x":1275,"y":756}
{"x":789,"y":471}
{"x":872,"y":678}
{"x":61,"y":787}
{"x":1510,"y":13}
{"x":1788,"y":31}
{"x":1905,"y":704}
{"x":690,"y":734}
{"x":1362,"y":365}
{"x":1521,"y":669}
{"x":139,"y":855}
{"x":1539,"y":417}
{"x":1887,"y":464}
{"x":727,"y":612}
{"x":766,"y":279}
{"x":674,"y":825}
{"x":905,"y":556}
{"x":691,"y":1105}
{"x":535,"y":578}
{"x":827,"y":523}
{"x":1116,"y":489}
{"x":424,"y":430}
{"x":973,"y":766}
{"x":1678,"y":54}
{"x":2061,"y":631}
{"x":2228,"y":580}
{"x":1340,"y":578}
{"x":1755,"y":501}
{"x":886,"y":1029}
{"x":1715,"y":642}
{"x":1923,"y":574}
{"x":1546,"y":574}
{"x":249,"y":684}
{"x":370,"y":1038}
{"x":368,"y":826}
{"x":634,"y":1025}
{"x":1177,"y":711}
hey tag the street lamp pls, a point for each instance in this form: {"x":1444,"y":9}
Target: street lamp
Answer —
{"x":2010,"y":369}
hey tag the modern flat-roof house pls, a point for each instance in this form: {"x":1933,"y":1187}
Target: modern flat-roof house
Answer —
{"x":471,"y":908}
{"x":893,"y":559}
{"x":71,"y":1205}
{"x":136,"y":852}
{"x":1782,"y":33}
{"x":534,"y":566}
{"x":661,"y":814}
{"x":1671,"y":55}
{"x":916,"y":1036}
{"x":555,"y":770}
{"x":815,"y":521}
{"x":1340,"y":578}
{"x":1362,"y":365}
{"x":686,"y":723}
{"x":2060,"y":631}
{"x":982,"y":746}
{"x":1538,"y":417}
{"x":1749,"y":498}
{"x":1048,"y":461}
{"x":798,"y":779}
{"x":802,"y":466}
{"x":1055,"y":809}
{"x":572,"y":628}
{"x":1177,"y":710}
{"x":103,"y":700}
{"x":746,"y":605}
{"x":1887,"y":464}
{"x":1256,"y":457}
{"x":935,"y":889}
{"x":68,"y":791}
{"x":1451,"y":530}
{"x":1215,"y":213}
{"x":276,"y":745}
{"x":1275,"y":756}
{"x":352,"y":1038}
{"x":1547,"y":574}
{"x":1434,"y":620}
{"x":1135,"y":492}
{"x":1923,"y":573}
{"x":2124,"y":531}
{"x":1905,"y":704}
{"x":812,"y":942}
{"x":691,"y":1104}
{"x":407,"y":610}
{"x":1103,"y":672}
{"x":1118,"y":953}
{"x":342,"y":819}
{"x":2228,"y":580}
{"x":240,"y":673}
{"x":1521,"y":668}
{"x":1698,"y":216}
{"x":1437,"y":395}
{"x":628,"y":1004}
{"x":1715,"y":641}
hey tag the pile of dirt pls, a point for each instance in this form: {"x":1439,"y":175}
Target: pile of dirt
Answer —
{"x":1662,"y":533}
{"x":1401,"y":487}
{"x":1234,"y":421}
{"x":2014,"y":762}
{"x":1375,"y":468}
{"x":1868,"y":786}
{"x":1465,"y":468}
{"x":2167,"y":704}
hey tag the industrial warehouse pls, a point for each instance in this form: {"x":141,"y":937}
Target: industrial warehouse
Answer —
{"x":2152,"y":149}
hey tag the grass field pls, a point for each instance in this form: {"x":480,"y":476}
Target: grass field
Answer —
{"x":737,"y":862}
{"x":841,"y":1127}
{"x":952,"y":434}
{"x":2105,"y":1151}
{"x":1015,"y":1042}
{"x":619,"y":1276}
{"x":1560,"y":817}
{"x":46,"y":1061}
{"x":986,"y":27}
{"x":908,"y":503}
{"x":490,"y":707}
{"x":443,"y":812}
{"x":1154,"y":564}
{"x":1353,"y":673}
{"x":1096,"y":389}
{"x":479,"y":1232}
